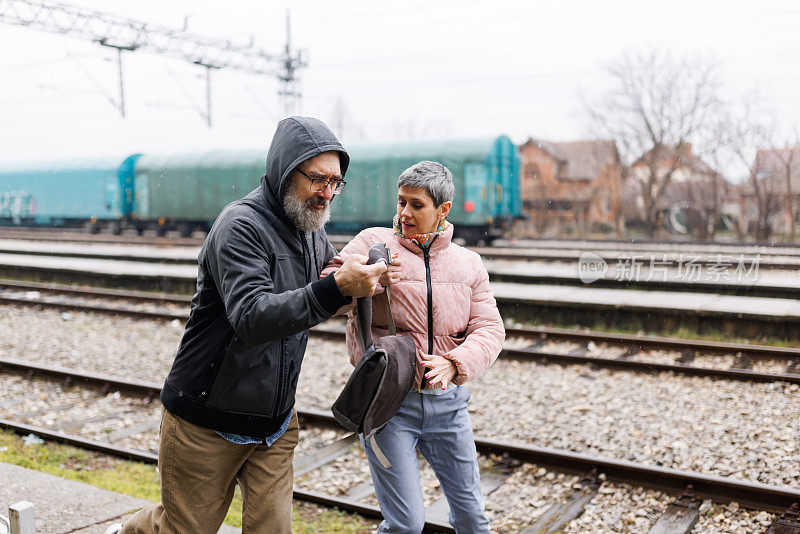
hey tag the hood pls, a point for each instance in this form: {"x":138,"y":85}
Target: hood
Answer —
{"x":296,"y":140}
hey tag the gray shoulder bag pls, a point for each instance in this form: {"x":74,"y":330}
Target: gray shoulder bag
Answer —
{"x":384,"y":375}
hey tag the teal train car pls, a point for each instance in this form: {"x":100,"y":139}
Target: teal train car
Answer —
{"x":485,"y":171}
{"x":188,"y":190}
{"x":93,"y":193}
{"x":185,"y":191}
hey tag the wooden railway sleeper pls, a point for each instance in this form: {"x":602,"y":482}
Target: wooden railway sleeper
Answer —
{"x":681,"y":516}
{"x":591,"y":479}
{"x":686,"y":357}
{"x":538,"y":343}
{"x":561,"y":514}
{"x":505,"y":463}
{"x":631,"y":350}
{"x":788,"y":522}
{"x":742,"y":361}
{"x":793,"y":368}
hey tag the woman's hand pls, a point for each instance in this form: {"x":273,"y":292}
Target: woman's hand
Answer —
{"x":356,"y":279}
{"x":441,"y":370}
{"x":392,"y":274}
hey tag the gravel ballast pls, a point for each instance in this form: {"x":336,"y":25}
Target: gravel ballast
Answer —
{"x":749,"y":431}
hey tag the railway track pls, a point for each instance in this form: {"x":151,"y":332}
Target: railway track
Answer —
{"x":74,"y":236}
{"x":596,"y":245}
{"x":639,"y":353}
{"x":780,"y":258}
{"x":710,"y":275}
{"x":653,"y":244}
{"x":78,"y":411}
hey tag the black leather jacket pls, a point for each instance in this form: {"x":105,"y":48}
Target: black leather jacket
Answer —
{"x":258,"y":292}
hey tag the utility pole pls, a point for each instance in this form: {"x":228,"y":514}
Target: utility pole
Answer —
{"x":207,"y":115}
{"x":121,"y":103}
{"x":289,"y":90}
{"x":134,"y":35}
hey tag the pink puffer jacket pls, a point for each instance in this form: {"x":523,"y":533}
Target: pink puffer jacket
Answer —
{"x":467,"y":327}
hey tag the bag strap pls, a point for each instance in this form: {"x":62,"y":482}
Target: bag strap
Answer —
{"x":363,"y":310}
{"x":379,"y":453}
{"x":392,"y":329}
{"x":363,"y":313}
{"x":364,"y":330}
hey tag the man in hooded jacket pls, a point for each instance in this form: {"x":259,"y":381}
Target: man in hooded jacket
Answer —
{"x":229,"y":398}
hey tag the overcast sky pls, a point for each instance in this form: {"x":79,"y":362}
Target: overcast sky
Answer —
{"x":389,"y":71}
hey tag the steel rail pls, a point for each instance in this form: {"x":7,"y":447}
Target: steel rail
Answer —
{"x":719,"y":489}
{"x":639,"y":340}
{"x":660,"y":342}
{"x":95,"y":308}
{"x":520,"y":255}
{"x":649,"y":367}
{"x":496,"y":252}
{"x":8,"y":232}
{"x":88,"y":254}
{"x":49,"y":234}
{"x":105,"y":382}
{"x":753,"y":495}
{"x":648,"y":316}
{"x":337,"y":333}
{"x":169,"y":298}
{"x":676,"y":286}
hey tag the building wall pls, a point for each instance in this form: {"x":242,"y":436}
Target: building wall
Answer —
{"x":538,"y":168}
{"x":554,"y":204}
{"x":606,"y":197}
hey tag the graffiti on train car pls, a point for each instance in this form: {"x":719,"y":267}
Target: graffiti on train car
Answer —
{"x":17,"y":205}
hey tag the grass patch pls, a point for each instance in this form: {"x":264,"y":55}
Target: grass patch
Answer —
{"x":140,"y":480}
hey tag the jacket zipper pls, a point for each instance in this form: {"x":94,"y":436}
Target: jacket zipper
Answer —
{"x":427,"y":255}
{"x":280,"y":394}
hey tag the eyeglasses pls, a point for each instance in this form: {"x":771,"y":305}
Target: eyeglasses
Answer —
{"x":318,"y":185}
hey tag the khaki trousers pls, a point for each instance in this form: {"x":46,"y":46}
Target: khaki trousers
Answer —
{"x":199,"y":470}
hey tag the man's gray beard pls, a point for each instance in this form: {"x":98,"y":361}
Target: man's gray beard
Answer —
{"x":301,"y":214}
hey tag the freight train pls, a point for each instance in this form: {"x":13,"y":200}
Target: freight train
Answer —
{"x":185,"y":192}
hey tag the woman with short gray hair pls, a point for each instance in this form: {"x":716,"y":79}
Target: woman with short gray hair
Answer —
{"x":442,"y":298}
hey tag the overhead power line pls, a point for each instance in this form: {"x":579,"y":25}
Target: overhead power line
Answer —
{"x":133,"y":35}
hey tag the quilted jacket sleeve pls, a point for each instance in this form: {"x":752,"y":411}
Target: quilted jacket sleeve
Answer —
{"x":485,"y":331}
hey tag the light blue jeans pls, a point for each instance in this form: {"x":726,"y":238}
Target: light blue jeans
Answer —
{"x":440,"y":427}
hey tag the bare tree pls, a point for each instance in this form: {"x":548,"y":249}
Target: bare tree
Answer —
{"x":655,"y":107}
{"x":714,"y":149}
{"x":746,"y":133}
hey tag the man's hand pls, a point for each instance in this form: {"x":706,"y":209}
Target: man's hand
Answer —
{"x":442,"y":371}
{"x":356,"y":279}
{"x":392,"y":274}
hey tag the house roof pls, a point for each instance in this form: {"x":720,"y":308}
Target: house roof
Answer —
{"x":582,"y":160}
{"x":684,"y":157}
